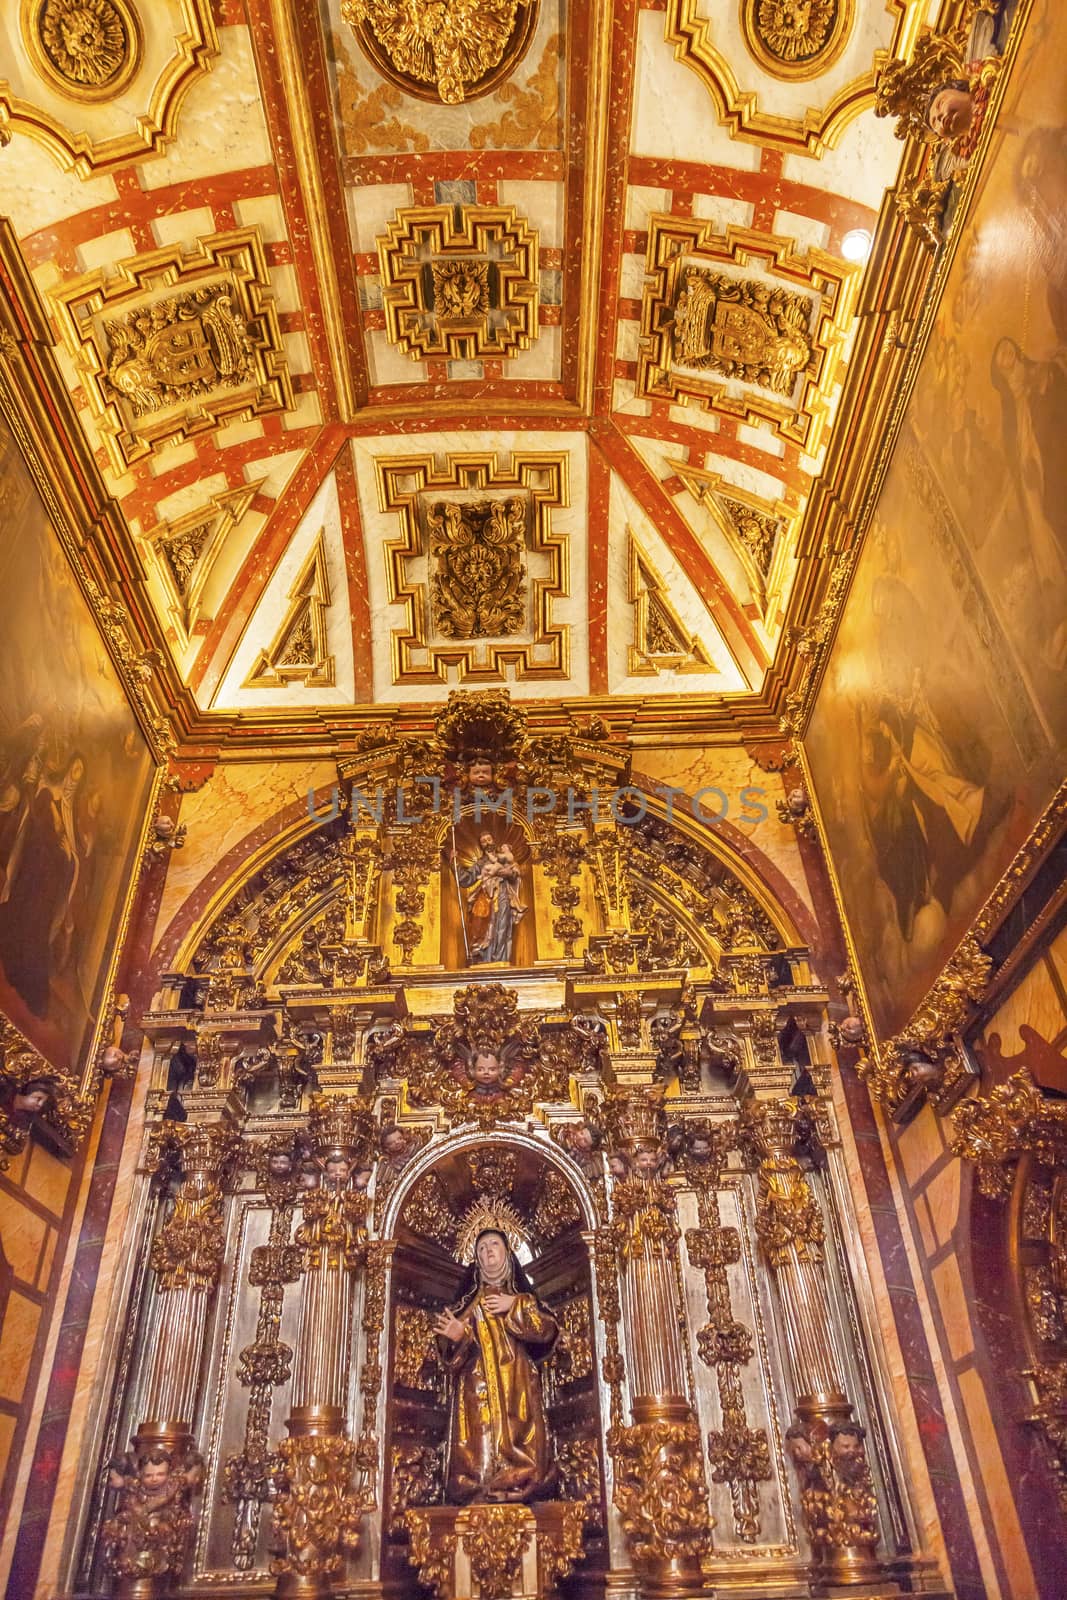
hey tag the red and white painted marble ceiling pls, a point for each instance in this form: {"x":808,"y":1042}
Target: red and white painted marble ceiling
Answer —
{"x":528,"y":384}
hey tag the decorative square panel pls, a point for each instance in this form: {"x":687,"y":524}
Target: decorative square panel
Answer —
{"x":740,"y":325}
{"x":170,"y":345}
{"x":460,"y":281}
{"x":477,"y":567}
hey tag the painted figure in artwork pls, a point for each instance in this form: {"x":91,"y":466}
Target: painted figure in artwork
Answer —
{"x":491,"y":1341}
{"x":40,"y":891}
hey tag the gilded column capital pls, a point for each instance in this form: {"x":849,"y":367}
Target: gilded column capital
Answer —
{"x":187,"y":1251}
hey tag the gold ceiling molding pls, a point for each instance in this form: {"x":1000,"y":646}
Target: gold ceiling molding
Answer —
{"x":743,"y":308}
{"x":461,"y":282}
{"x":796,"y":39}
{"x":185,"y":552}
{"x":661,"y":640}
{"x":169,"y":345}
{"x":93,"y":51}
{"x":692,"y":29}
{"x":299,"y":652}
{"x":446,"y":53}
{"x":473,"y":587}
{"x":757,"y":531}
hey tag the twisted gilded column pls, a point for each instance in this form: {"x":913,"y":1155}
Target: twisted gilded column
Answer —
{"x":825,"y":1443}
{"x":317,"y":1513}
{"x":660,"y":1490}
{"x":146,"y":1538}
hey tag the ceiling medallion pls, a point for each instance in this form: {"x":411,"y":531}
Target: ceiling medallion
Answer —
{"x":796,"y":38}
{"x":87,"y":49}
{"x":460,"y":282}
{"x":449,"y":53}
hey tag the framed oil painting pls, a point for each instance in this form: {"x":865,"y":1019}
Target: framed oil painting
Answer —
{"x":75,"y":779}
{"x":940,"y":728}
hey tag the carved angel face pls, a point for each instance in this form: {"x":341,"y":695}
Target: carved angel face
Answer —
{"x":486,"y":1070}
{"x":154,"y":1474}
{"x":950,"y":112}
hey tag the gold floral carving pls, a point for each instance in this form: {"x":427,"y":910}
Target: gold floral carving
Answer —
{"x":447,"y":53}
{"x":432,"y":1551}
{"x":170,"y":345}
{"x":91,"y":51}
{"x":486,"y":1022}
{"x":460,"y":283}
{"x":993,"y":1130}
{"x":186,"y":550}
{"x":495,"y":1538}
{"x":796,"y":39}
{"x":533,"y":118}
{"x":299,"y":651}
{"x":660,"y":1493}
{"x":365,"y":112}
{"x":743,"y":309}
{"x":478,"y":587}
{"x":415,"y":1361}
{"x":457,"y":569}
{"x":188,"y":1250}
{"x":317,"y":1513}
{"x":661,"y":641}
{"x":415,"y":1478}
{"x":87,"y":49}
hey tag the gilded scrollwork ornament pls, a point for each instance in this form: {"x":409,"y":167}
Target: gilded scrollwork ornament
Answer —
{"x":188,"y":1249}
{"x":317,"y":1514}
{"x":660,"y":1493}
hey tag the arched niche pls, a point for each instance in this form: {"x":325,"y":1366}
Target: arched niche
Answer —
{"x":421,"y":1219}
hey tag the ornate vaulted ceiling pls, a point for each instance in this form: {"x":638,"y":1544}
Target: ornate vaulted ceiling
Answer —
{"x":425,"y":347}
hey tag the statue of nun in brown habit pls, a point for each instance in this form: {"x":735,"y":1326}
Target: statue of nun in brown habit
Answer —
{"x":491,"y":1340}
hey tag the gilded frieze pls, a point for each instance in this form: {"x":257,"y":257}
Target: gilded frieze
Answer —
{"x":460,"y":282}
{"x":740,"y":325}
{"x":169,"y":345}
{"x":445,"y":53}
{"x":477,"y":562}
{"x":796,"y":39}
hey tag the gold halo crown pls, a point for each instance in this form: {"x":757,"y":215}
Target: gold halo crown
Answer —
{"x":488,"y":1211}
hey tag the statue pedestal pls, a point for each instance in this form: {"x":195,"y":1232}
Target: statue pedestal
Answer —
{"x":495,"y":1552}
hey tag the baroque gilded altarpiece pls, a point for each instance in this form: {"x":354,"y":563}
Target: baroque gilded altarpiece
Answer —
{"x":660,"y":1141}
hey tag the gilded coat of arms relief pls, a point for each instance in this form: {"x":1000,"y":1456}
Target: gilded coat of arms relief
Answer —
{"x":168,"y":345}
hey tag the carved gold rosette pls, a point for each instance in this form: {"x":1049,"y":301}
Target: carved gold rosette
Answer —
{"x":445,"y":53}
{"x":87,"y":49}
{"x":796,"y":39}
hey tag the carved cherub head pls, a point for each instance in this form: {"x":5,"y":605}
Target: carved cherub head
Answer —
{"x":395,"y":1143}
{"x":33,"y":1096}
{"x":487,"y":1070}
{"x":950,"y":110}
